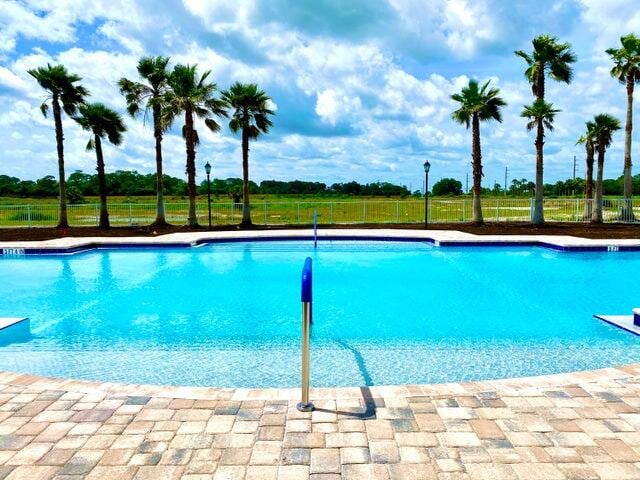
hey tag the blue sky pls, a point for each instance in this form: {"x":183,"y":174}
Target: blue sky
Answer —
{"x":361,"y":88}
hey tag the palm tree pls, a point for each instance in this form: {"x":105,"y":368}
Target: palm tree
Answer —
{"x":541,"y":115}
{"x":604,"y":126}
{"x":250,"y":114}
{"x":192,"y":94}
{"x":149,"y":95}
{"x":553,"y":59}
{"x":588,"y":140}
{"x":477,"y":104}
{"x":102,"y":122}
{"x":626,"y":68}
{"x":64,"y":93}
{"x":547,"y":58}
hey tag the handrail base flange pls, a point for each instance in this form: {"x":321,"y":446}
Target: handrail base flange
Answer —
{"x":305,"y":407}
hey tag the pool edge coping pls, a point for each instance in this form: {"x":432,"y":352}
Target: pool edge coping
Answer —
{"x":514,"y":385}
{"x":441,"y":238}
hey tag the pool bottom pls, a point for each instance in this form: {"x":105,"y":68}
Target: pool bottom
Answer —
{"x":337,"y":363}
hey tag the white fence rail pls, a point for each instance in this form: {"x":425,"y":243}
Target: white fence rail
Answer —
{"x":441,"y":210}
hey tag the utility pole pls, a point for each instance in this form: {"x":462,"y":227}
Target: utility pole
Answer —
{"x":466,"y":190}
{"x":506,"y":170}
{"x":574,"y":167}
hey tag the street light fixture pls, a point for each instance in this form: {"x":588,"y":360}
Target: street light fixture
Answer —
{"x":207,"y":168}
{"x":427,"y":166}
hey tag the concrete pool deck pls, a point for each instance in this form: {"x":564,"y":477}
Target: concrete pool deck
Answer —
{"x":583,"y":425}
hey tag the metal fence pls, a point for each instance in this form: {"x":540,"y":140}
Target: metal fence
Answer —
{"x":441,"y":210}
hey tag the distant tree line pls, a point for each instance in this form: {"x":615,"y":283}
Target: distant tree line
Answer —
{"x":130,"y":183}
{"x":526,"y":188}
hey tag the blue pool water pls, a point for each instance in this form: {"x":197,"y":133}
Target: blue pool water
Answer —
{"x":385,"y":313}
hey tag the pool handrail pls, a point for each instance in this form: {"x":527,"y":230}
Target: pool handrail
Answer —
{"x":307,"y":281}
{"x":306,"y":296}
{"x":315,"y":228}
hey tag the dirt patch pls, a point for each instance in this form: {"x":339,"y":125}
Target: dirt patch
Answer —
{"x":610,"y":230}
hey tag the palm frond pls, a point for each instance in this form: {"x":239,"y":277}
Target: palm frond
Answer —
{"x":212,"y":125}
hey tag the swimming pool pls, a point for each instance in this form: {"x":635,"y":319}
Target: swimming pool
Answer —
{"x":228,"y":314}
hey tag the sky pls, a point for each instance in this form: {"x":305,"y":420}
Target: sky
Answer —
{"x":361,"y":88}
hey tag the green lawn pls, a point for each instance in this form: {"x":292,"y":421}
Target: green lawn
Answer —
{"x":282,"y":210}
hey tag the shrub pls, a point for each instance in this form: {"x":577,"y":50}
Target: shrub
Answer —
{"x":35,"y":217}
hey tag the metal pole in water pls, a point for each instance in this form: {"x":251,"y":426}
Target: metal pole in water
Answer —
{"x":305,"y":404}
{"x":315,"y":228}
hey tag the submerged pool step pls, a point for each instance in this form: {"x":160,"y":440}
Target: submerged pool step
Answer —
{"x":7,"y":322}
{"x":14,"y":330}
{"x":630,"y":323}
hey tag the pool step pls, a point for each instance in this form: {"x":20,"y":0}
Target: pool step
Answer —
{"x":630,"y":323}
{"x":11,"y":321}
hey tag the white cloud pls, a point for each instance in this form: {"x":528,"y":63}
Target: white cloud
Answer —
{"x":357,"y":96}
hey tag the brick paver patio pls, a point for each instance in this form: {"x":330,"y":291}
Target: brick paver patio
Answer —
{"x":575,"y":426}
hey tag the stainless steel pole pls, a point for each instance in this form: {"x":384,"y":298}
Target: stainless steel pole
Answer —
{"x":306,"y":297}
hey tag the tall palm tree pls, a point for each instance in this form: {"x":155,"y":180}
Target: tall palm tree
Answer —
{"x":588,"y":140}
{"x":66,"y":95}
{"x":604,"y":127}
{"x":626,"y":68}
{"x":549,"y":57}
{"x":477,"y":104}
{"x":192,"y":95}
{"x":250,"y":114}
{"x":102,"y":122}
{"x":540,"y":115}
{"x":149,"y":95}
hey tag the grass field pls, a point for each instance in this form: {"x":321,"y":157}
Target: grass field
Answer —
{"x":285,"y":210}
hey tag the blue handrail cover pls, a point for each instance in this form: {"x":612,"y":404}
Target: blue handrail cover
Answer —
{"x":306,"y":281}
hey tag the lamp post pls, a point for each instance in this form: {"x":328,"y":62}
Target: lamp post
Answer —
{"x":207,"y":168}
{"x":427,"y":166}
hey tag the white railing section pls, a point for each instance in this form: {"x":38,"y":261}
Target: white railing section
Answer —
{"x":441,"y":210}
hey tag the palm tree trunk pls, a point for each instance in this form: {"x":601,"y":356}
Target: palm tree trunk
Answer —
{"x":597,"y":212}
{"x":476,"y":157}
{"x":540,"y":83}
{"x":191,"y":167}
{"x":57,"y":118}
{"x":588,"y":188}
{"x":157,"y":133}
{"x":102,"y":184}
{"x":538,"y":213}
{"x":627,"y":211}
{"x":246,"y":207}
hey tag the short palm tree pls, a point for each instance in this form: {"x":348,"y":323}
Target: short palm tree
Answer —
{"x":194,"y":96}
{"x":65,"y":94}
{"x":604,"y":127}
{"x":149,"y":95}
{"x":250,"y":114}
{"x":626,"y":68}
{"x":477,"y":103}
{"x":549,"y":57}
{"x":540,"y":115}
{"x":102,"y":122}
{"x":588,"y":140}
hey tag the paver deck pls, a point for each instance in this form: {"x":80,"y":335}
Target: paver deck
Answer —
{"x":583,"y":425}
